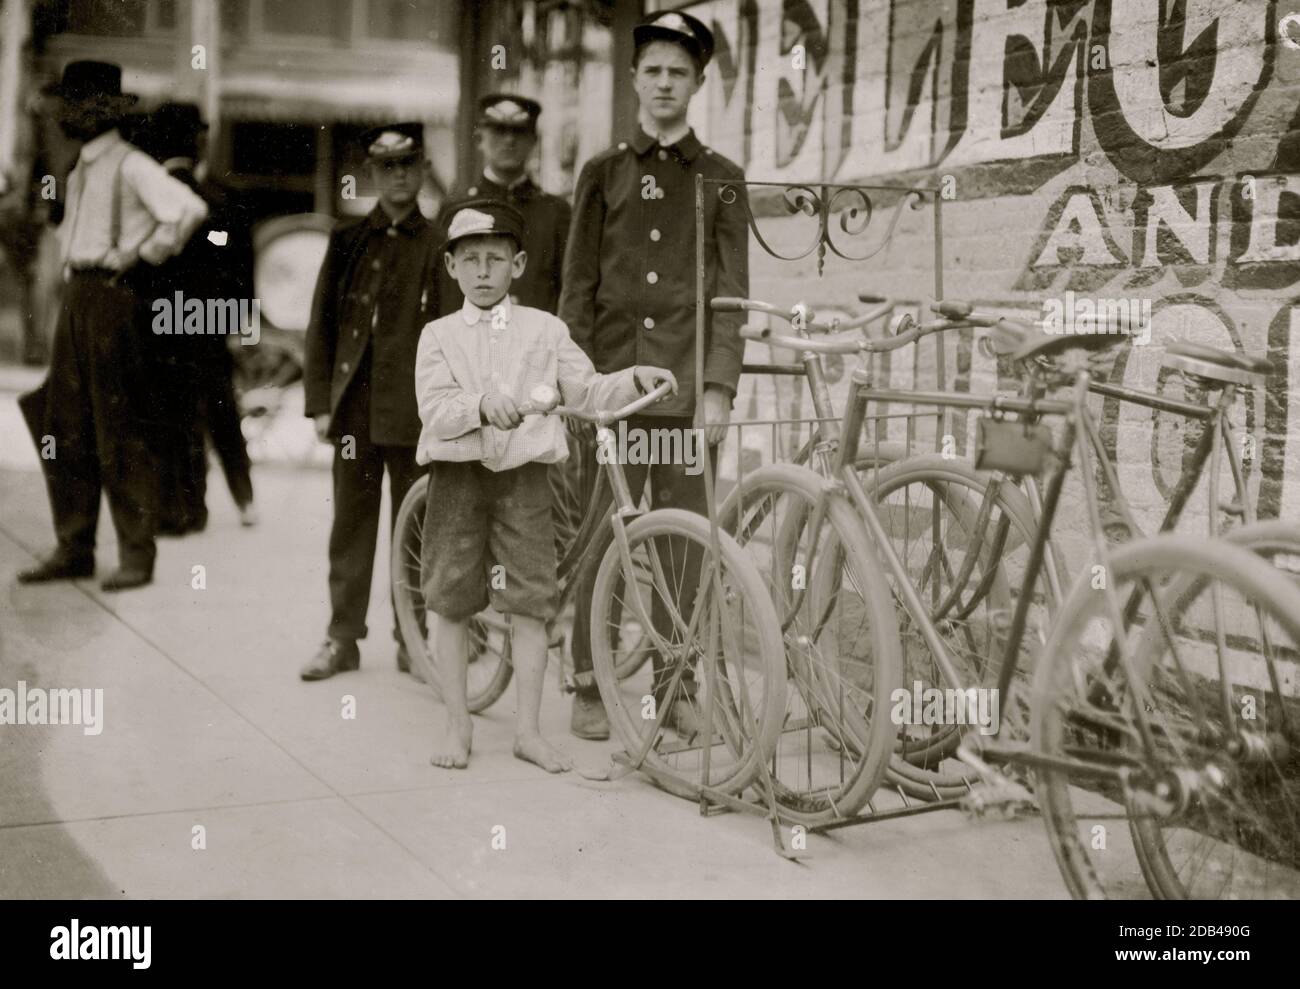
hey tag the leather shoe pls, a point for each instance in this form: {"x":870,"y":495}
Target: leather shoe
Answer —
{"x":588,"y":719}
{"x":334,"y":656}
{"x":125,"y":578}
{"x":57,"y":568}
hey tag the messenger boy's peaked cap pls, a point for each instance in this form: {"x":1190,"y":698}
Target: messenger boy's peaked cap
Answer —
{"x":509,"y":111}
{"x":394,"y":142}
{"x":481,"y":217}
{"x":679,"y":28}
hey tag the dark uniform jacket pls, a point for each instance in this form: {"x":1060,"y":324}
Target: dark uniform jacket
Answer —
{"x":629,"y":270}
{"x":375,"y":292}
{"x":546,"y":228}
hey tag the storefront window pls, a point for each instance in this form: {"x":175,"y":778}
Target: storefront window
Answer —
{"x":266,"y":20}
{"x":427,"y":21}
{"x":115,"y":18}
{"x":273,"y":149}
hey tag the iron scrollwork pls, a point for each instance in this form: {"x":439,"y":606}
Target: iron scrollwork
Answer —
{"x":851,"y":203}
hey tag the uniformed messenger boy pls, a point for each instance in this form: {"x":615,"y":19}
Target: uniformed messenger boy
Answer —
{"x":629,"y":293}
{"x":488,"y":536}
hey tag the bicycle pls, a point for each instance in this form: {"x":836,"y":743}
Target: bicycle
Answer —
{"x":581,"y":501}
{"x":1193,"y":777}
{"x":1208,"y":370}
{"x":960,"y":494}
{"x":993,"y":521}
{"x":720,"y":644}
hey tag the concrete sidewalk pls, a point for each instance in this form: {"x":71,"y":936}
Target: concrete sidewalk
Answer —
{"x":206,"y":726}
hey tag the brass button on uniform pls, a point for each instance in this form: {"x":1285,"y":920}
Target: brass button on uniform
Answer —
{"x":345,"y":367}
{"x":648,"y":323}
{"x":663,"y":155}
{"x":392,"y":232}
{"x":652,"y":277}
{"x":655,"y":234}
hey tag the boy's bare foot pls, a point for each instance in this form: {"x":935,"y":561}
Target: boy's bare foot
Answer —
{"x":535,"y":749}
{"x":452,"y":751}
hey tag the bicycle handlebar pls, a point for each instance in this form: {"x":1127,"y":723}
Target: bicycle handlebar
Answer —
{"x":545,"y":400}
{"x":958,"y":310}
{"x":865,"y":346}
{"x":883,"y":306}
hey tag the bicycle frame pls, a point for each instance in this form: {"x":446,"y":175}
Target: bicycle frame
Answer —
{"x":1076,"y":444}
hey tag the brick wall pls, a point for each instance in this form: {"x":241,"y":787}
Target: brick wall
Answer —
{"x":1117,"y":149}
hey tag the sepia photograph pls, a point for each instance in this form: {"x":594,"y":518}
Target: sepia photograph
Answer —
{"x":650,"y":451}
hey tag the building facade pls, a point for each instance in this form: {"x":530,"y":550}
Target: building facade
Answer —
{"x":1136,"y":150}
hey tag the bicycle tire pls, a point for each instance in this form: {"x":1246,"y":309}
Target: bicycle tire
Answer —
{"x":749,"y":748}
{"x":1058,"y":714}
{"x":822,"y":672}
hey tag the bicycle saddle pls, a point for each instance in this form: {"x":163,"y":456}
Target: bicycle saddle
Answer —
{"x":1036,"y":343}
{"x":1217,"y":364}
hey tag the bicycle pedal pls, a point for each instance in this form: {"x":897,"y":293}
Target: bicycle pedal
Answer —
{"x":999,"y":796}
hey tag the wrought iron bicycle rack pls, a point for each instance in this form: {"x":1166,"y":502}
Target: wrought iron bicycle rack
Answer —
{"x":841,"y":215}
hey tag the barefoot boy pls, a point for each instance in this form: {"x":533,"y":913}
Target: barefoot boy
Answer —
{"x":487,"y":533}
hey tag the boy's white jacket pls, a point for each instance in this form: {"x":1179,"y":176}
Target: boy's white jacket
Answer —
{"x":509,"y":349}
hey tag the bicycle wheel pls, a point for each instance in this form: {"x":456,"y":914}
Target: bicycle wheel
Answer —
{"x":1190,"y":736}
{"x":965,"y":551}
{"x":489,"y":668}
{"x":591,"y":549}
{"x":720,"y":657}
{"x":840,"y":632}
{"x":1276,"y":541}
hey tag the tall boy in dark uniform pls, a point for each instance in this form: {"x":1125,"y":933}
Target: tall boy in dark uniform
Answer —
{"x":507,"y":133}
{"x":375,"y":292}
{"x":629,"y":287}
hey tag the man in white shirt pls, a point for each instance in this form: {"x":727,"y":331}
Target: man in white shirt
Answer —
{"x":122,"y":209}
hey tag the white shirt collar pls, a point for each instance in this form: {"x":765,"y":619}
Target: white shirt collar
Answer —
{"x":494,"y":177}
{"x":471,"y":313}
{"x":96,"y":146}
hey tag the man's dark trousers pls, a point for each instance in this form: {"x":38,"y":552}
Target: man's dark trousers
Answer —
{"x":670,"y":487}
{"x":91,"y":407}
{"x":218,"y":410}
{"x":355,"y":529}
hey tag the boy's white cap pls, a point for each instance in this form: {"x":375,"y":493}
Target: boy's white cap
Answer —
{"x":485,"y":216}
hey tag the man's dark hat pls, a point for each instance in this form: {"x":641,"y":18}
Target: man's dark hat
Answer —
{"x":394,"y":142}
{"x":677,"y":27}
{"x":184,"y":120}
{"x":87,"y":79}
{"x":508,"y":111}
{"x":171,"y":131}
{"x":482,"y":217}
